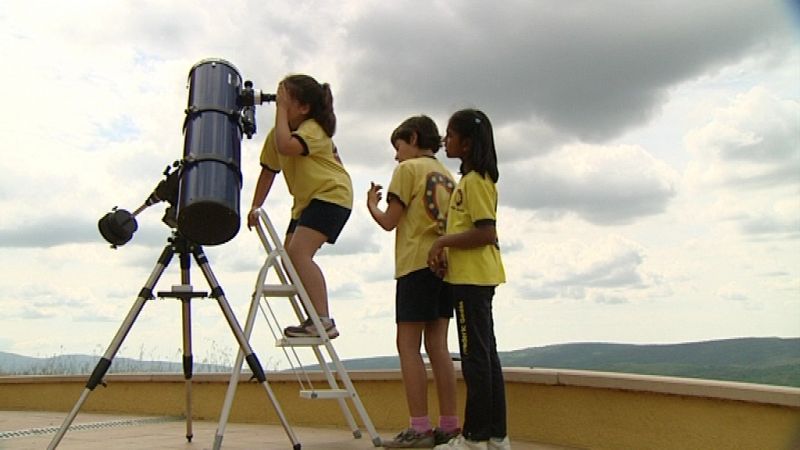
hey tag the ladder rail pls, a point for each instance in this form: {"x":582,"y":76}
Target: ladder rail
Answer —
{"x":236,"y":372}
{"x":333,"y":385}
{"x":298,"y":369}
{"x":278,"y":250}
{"x":286,"y":279}
{"x":334,"y":372}
{"x":288,"y":267}
{"x":311,"y":311}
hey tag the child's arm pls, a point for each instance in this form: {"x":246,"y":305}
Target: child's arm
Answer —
{"x":388,"y":219}
{"x":263,"y":186}
{"x":480,"y":235}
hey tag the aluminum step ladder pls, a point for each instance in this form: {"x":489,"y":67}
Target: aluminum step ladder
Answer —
{"x":289,"y":287}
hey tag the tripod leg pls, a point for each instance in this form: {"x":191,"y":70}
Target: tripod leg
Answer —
{"x":250,"y":357}
{"x":237,"y":366}
{"x":105,"y":362}
{"x":188,"y":360}
{"x":188,"y":364}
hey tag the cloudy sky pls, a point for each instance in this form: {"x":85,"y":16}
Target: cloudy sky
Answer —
{"x":649,"y":162}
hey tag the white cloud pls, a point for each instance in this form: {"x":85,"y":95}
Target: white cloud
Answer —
{"x":748,"y":159}
{"x":731,"y":292}
{"x":603,"y":269}
{"x":602,"y":184}
{"x":754,"y":142}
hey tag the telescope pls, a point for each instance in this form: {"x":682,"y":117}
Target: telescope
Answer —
{"x":202,"y":188}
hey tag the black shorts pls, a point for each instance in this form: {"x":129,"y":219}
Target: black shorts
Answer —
{"x":325,"y":217}
{"x":421,"y":296}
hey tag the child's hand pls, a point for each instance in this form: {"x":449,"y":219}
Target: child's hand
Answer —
{"x":374,"y":194}
{"x":252,"y":218}
{"x":437,"y":259}
{"x":280,"y":95}
{"x":441,"y":269}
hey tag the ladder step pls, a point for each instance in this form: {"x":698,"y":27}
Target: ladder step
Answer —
{"x":325,"y":394}
{"x":278,"y":290}
{"x":298,"y":342}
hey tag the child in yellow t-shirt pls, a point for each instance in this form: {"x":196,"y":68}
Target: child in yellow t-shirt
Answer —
{"x":417,"y":198}
{"x":474,"y":268}
{"x":300,"y":145}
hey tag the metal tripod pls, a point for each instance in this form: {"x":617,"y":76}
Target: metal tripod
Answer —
{"x":184,"y":248}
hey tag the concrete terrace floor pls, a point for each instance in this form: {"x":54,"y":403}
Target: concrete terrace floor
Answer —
{"x":34,"y":430}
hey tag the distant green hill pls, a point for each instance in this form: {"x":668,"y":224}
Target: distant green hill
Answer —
{"x":774,"y":361}
{"x":754,"y":360}
{"x":12,"y":364}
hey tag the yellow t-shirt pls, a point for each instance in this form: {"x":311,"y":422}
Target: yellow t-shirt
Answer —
{"x":474,"y":200}
{"x":423,"y":185}
{"x":317,"y":173}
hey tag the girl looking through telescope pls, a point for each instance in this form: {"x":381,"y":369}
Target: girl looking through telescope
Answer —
{"x":301,"y":146}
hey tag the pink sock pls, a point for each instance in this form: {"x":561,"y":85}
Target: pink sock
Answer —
{"x":448,"y":423}
{"x":421,"y":424}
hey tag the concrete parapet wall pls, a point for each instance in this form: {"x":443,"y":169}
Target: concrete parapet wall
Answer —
{"x":571,"y":408}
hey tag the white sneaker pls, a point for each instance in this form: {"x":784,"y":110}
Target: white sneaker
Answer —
{"x":461,"y":443}
{"x":499,"y":444}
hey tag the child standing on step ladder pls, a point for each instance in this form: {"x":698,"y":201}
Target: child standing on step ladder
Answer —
{"x":417,"y":199}
{"x":301,"y":146}
{"x":474,"y":268}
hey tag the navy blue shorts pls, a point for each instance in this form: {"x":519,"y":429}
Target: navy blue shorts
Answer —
{"x":421,"y":296}
{"x":325,"y":217}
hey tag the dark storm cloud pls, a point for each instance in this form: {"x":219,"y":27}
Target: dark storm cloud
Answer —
{"x":587,"y":72}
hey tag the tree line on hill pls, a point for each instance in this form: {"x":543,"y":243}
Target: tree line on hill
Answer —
{"x":773,"y":361}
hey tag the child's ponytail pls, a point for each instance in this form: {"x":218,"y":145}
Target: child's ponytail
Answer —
{"x":325,"y":116}
{"x":317,"y":96}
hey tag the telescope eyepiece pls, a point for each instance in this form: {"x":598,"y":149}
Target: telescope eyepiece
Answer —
{"x":252,"y":97}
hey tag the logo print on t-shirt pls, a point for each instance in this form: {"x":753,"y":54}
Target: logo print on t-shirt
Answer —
{"x":437,"y":189}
